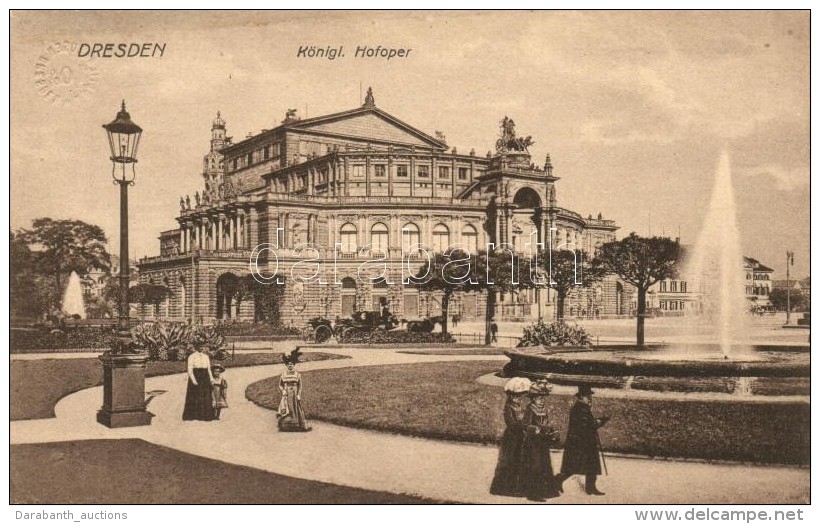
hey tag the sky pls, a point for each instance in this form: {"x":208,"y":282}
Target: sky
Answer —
{"x":634,"y":107}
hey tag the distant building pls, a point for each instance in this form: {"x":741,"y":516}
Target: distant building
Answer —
{"x":675,"y":297}
{"x":758,"y":283}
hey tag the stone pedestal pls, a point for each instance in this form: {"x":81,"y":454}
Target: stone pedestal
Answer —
{"x":123,"y":392}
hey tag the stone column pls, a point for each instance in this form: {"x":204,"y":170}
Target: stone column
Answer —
{"x":252,"y":228}
{"x":201,"y":235}
{"x":433,"y":176}
{"x":234,"y":231}
{"x":241,"y":233}
{"x":362,"y":236}
{"x":219,"y":231}
{"x":214,"y":237}
{"x":390,"y":173}
{"x":412,"y":175}
{"x":184,"y":238}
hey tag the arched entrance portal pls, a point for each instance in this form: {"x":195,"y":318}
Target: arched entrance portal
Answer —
{"x":228,"y":296}
{"x":526,"y":221}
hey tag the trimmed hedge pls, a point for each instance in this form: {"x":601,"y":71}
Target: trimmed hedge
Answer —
{"x":380,"y":336}
{"x":28,"y":340}
{"x":255,"y":329}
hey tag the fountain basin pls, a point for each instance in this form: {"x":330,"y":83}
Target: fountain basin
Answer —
{"x":766,"y":370}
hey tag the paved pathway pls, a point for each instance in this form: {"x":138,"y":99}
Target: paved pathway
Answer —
{"x":449,"y":471}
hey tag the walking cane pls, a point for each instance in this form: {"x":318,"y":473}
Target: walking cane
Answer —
{"x":601,"y":451}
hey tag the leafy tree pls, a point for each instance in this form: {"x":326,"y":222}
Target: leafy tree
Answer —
{"x":778,"y":299}
{"x":457,"y":271}
{"x":26,"y":293}
{"x":503,"y":278}
{"x":148,"y":294}
{"x":448,"y":273}
{"x":66,"y":246}
{"x":563,"y":271}
{"x":642,"y":262}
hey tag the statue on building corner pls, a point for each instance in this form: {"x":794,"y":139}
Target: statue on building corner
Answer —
{"x":181,"y":204}
{"x":188,"y":201}
{"x":197,"y":198}
{"x":508,"y":141}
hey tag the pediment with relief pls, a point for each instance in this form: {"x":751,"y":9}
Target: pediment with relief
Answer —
{"x":370,"y":125}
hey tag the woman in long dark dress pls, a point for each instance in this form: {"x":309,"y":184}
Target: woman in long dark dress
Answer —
{"x":537,"y":476}
{"x":199,"y":395}
{"x":507,"y":479}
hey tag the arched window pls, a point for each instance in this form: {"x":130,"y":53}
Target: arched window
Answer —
{"x":470,"y":236}
{"x":410,"y":236}
{"x":348,"y":238}
{"x":379,"y":237}
{"x":441,"y":238}
{"x":348,"y":283}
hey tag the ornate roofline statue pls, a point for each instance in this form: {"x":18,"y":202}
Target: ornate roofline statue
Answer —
{"x":508,"y":141}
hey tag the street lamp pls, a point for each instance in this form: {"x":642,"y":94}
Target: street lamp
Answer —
{"x":789,"y":262}
{"x":123,"y":138}
{"x":123,"y":368}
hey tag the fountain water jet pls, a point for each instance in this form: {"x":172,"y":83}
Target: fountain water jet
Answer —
{"x":73,"y":303}
{"x":715,"y":266}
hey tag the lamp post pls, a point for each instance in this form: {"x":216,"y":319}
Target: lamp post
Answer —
{"x":789,"y":262}
{"x":123,"y":367}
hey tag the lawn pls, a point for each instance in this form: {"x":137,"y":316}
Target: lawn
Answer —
{"x":443,"y":400}
{"x":159,"y":475}
{"x":37,"y":385}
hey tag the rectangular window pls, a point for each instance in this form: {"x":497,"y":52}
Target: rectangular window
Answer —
{"x":380,"y":169}
{"x":358,"y":171}
{"x":401,"y":171}
{"x":683,"y":287}
{"x":250,"y":159}
{"x":462,"y":173}
{"x":444,"y":172}
{"x":663,"y":286}
{"x":266,"y":152}
{"x":423,"y":171}
{"x":674,"y":286}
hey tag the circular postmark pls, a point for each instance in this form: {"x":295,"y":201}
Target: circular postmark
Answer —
{"x":60,"y":76}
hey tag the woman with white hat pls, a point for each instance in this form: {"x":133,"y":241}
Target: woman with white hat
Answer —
{"x":507,"y":479}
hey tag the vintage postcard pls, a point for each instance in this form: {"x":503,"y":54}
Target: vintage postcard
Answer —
{"x":409,"y":257}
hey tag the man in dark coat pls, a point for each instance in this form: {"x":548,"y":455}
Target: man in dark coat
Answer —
{"x":581,"y":450}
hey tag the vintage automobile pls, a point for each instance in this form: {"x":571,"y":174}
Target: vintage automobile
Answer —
{"x":320,"y":330}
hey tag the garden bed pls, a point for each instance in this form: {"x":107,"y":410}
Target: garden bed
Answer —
{"x":781,"y":386}
{"x":443,"y":400}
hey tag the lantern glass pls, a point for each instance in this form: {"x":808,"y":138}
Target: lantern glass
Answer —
{"x":123,"y":138}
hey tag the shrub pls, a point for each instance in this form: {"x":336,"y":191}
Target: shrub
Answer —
{"x":78,"y":338}
{"x":554,"y":334}
{"x":164,"y":341}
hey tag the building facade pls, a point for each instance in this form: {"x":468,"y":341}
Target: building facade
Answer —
{"x":354,"y":187}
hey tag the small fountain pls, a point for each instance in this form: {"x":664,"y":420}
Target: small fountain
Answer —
{"x":73,"y":303}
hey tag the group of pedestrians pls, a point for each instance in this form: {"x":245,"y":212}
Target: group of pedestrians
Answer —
{"x":206,"y":394}
{"x":524,"y":465}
